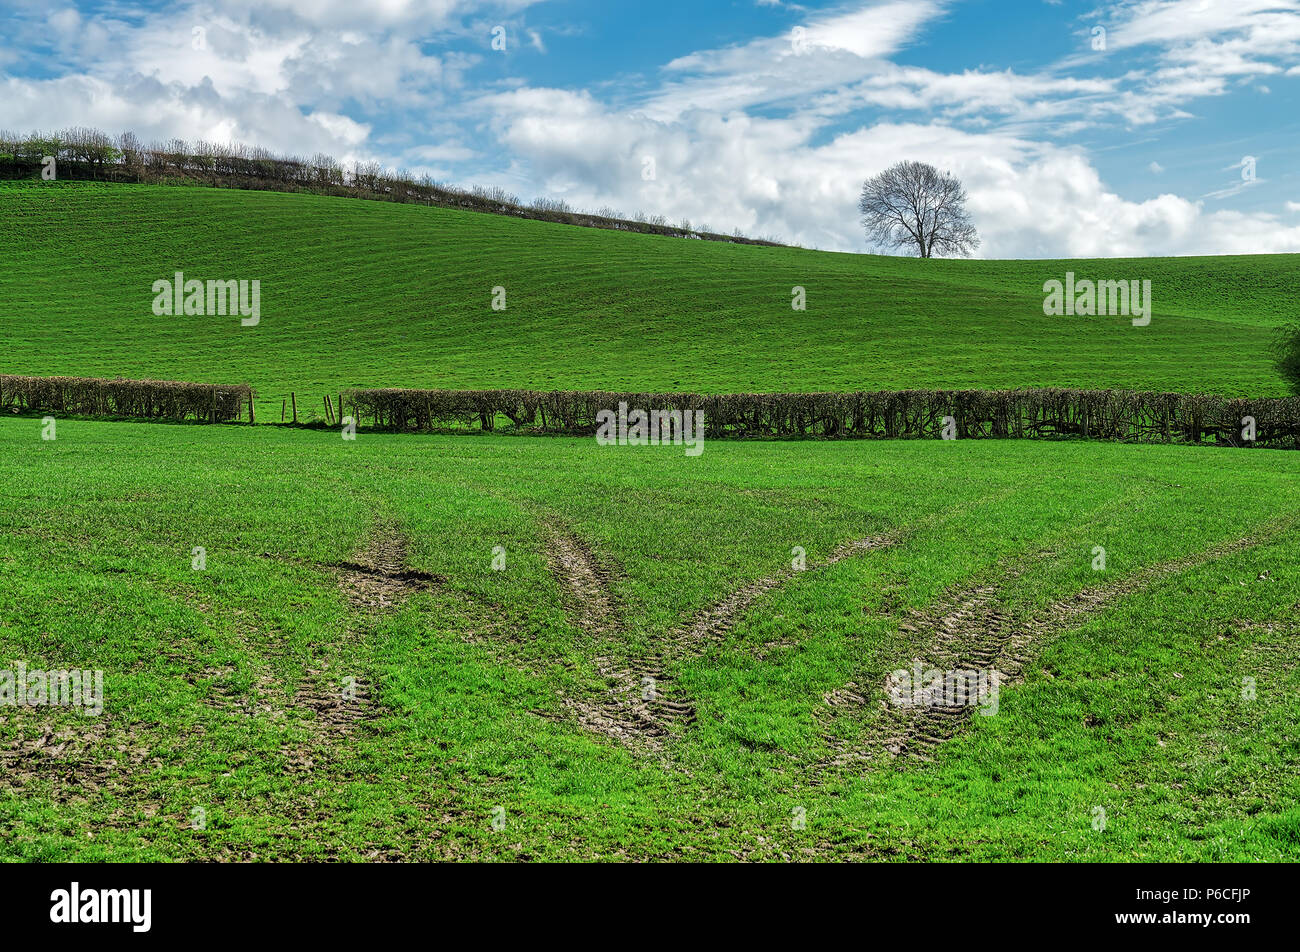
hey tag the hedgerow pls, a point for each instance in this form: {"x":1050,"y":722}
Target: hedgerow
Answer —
{"x":144,"y":399}
{"x":1116,"y":415}
{"x":1121,"y":415}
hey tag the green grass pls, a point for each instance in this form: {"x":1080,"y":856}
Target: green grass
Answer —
{"x":1138,"y":711}
{"x":221,"y":684}
{"x":358,"y":293}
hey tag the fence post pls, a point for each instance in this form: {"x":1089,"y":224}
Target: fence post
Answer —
{"x":294,"y":398}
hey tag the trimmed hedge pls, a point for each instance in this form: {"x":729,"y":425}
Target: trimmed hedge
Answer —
{"x":148,"y":399}
{"x":1121,"y":415}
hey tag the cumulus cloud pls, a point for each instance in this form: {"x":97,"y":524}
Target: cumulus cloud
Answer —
{"x":158,"y":111}
{"x":773,"y":135}
{"x":297,"y":76}
{"x":1028,"y":199}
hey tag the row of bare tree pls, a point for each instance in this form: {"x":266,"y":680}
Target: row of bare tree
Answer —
{"x":89,"y":153}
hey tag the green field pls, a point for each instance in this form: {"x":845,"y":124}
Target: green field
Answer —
{"x":358,"y":293}
{"x":486,"y":695}
{"x":407,"y":647}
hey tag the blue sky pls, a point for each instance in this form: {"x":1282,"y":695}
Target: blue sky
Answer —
{"x":761,"y":115}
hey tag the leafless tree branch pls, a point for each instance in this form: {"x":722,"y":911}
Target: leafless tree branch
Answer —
{"x":914,"y":205}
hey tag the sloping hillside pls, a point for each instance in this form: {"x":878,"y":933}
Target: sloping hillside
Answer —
{"x":359,"y":293}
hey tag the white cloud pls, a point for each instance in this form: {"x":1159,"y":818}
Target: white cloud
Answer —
{"x":1028,"y":199}
{"x":874,"y":31}
{"x":303,"y":76}
{"x":158,"y":111}
{"x":1266,"y":26}
{"x":971,"y":93}
{"x":1204,"y":43}
{"x":824,"y":53}
{"x":446,"y":152}
{"x":274,"y":73}
{"x":375,"y":15}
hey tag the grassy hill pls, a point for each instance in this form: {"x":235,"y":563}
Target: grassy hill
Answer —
{"x":359,"y":293}
{"x":310,"y":642}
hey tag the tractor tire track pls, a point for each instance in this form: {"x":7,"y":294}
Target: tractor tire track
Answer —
{"x":337,"y":692}
{"x":640,"y":704}
{"x":628,"y":717}
{"x":376,"y":581}
{"x":83,"y":761}
{"x":586,"y":584}
{"x":77,"y":760}
{"x":972,"y":632}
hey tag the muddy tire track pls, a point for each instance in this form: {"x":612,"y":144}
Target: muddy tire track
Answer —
{"x":641,"y":704}
{"x":80,"y":759}
{"x":712,"y":625}
{"x":376,"y":581}
{"x":971,"y":631}
{"x":71,"y":761}
{"x":629,"y":717}
{"x":378,"y":578}
{"x":585,"y":582}
{"x":337,"y":691}
{"x":333,"y":689}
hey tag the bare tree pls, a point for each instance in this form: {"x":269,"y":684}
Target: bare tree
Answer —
{"x":366,"y":174}
{"x":914,"y":205}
